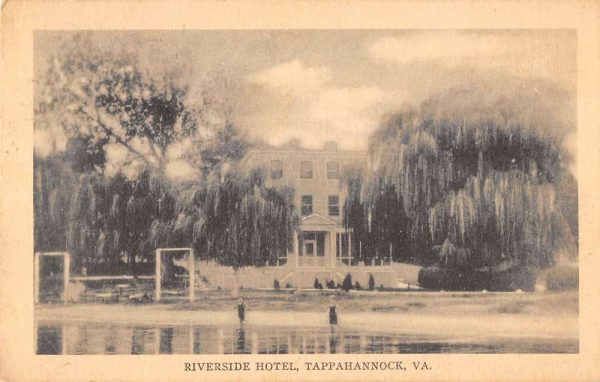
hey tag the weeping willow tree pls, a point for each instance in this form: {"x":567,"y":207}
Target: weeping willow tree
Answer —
{"x":53,"y":186}
{"x":237,"y":222}
{"x":478,"y":176}
{"x":108,"y":218}
{"x":261,"y":226}
{"x":379,"y":224}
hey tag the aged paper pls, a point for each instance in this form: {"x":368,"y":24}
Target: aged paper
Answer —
{"x":299,"y":191}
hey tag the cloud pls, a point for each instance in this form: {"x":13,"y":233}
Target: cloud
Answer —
{"x":293,"y":78}
{"x":304,"y":103}
{"x":347,"y":110}
{"x":524,"y":54}
{"x":450,"y":47}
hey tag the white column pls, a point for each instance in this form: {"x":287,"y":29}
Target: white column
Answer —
{"x":66,"y":274}
{"x":157,"y":276}
{"x":297,"y":244}
{"x":295,"y":249}
{"x":192,"y":277}
{"x":36,"y":278}
{"x":333,"y":254}
{"x":350,"y":248}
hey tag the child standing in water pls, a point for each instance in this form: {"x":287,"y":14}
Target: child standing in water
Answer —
{"x":332,"y":313}
{"x":241,"y":309}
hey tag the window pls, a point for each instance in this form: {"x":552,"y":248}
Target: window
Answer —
{"x":332,"y":170}
{"x":334,"y":205}
{"x":276,"y":169}
{"x":307,"y":205}
{"x":306,"y":169}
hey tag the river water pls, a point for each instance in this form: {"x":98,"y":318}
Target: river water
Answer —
{"x":92,"y":338}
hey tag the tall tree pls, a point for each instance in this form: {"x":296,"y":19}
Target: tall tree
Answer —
{"x":478,"y":173}
{"x":113,"y":105}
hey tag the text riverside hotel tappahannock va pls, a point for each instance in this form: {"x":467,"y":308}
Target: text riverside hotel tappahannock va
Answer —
{"x":307,"y":366}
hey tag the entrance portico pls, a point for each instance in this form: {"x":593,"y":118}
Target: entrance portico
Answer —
{"x":315,"y":243}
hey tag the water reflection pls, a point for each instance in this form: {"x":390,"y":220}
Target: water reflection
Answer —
{"x":122,"y":339}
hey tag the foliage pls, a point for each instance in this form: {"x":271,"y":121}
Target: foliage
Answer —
{"x":53,"y":185}
{"x":261,"y":222}
{"x":111,"y":104}
{"x":468,"y":280}
{"x":379,"y":225}
{"x":110,"y":216}
{"x":472,"y":180}
{"x":115,"y":191}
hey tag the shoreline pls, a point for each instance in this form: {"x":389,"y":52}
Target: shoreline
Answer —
{"x":459,"y":323}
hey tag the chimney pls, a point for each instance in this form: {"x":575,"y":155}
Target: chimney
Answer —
{"x":330,"y":146}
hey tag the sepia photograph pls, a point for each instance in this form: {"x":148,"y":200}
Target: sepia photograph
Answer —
{"x":305,"y":191}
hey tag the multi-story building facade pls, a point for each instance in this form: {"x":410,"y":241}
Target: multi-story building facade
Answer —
{"x":322,"y":246}
{"x":319,"y":196}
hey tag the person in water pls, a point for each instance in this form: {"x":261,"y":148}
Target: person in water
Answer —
{"x":241,"y":309}
{"x":333,"y":320}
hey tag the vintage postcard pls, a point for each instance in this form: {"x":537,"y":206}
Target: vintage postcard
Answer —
{"x":299,"y":191}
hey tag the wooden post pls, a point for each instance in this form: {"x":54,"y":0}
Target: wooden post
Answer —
{"x":254,"y":343}
{"x":363,"y":343}
{"x":63,"y":339}
{"x":36,"y":278}
{"x":66,"y":273}
{"x":220,"y":341}
{"x":192,"y":277}
{"x":191,"y":340}
{"x":157,"y":276}
{"x":157,"y":341}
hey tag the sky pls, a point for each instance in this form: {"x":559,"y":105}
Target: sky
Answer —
{"x":337,"y":85}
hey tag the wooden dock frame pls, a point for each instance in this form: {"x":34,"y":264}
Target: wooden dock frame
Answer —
{"x":191,"y":271}
{"x":36,"y":273}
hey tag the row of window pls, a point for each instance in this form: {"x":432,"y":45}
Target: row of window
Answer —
{"x":333,"y":204}
{"x":306,"y":170}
